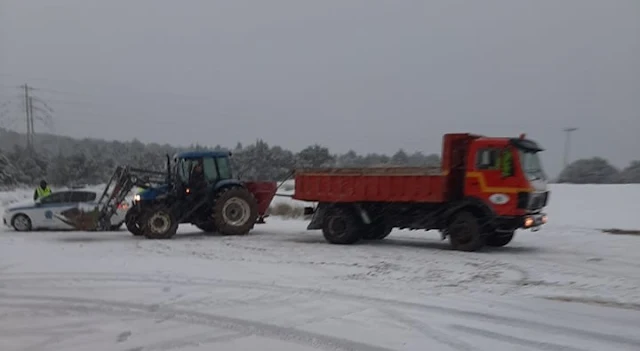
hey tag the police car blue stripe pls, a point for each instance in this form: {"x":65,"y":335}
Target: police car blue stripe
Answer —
{"x":42,"y":206}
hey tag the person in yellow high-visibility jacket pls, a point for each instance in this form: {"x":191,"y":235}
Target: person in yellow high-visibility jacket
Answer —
{"x":506,"y":163}
{"x":42,"y":190}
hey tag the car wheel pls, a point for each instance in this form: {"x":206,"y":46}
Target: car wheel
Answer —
{"x":21,"y":223}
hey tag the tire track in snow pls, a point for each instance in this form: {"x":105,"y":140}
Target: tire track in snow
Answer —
{"x":238,"y":325}
{"x":428,"y":331}
{"x":540,"y":345}
{"x":497,"y":319}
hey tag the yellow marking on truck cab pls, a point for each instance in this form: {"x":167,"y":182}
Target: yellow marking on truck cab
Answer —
{"x":489,"y":189}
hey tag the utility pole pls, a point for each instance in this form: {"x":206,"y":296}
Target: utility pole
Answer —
{"x":33,"y":131}
{"x":567,"y":142}
{"x":28,"y":111}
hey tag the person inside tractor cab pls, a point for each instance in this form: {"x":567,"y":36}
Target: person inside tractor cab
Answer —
{"x":197,"y":181}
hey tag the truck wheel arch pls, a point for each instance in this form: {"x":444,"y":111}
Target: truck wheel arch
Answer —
{"x":323,"y":207}
{"x":471,"y":204}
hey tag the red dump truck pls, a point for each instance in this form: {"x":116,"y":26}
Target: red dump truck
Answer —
{"x":485,"y":189}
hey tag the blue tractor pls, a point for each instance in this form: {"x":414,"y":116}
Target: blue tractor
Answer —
{"x":198,"y":188}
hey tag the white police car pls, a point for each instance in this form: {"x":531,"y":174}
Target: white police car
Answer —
{"x":41,"y":214}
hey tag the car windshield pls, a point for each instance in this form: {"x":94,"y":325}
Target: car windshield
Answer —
{"x":531,"y":165}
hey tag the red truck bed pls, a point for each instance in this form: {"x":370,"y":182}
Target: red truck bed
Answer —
{"x":381,"y":184}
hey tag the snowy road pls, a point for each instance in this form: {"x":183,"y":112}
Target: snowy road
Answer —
{"x":283,"y":288}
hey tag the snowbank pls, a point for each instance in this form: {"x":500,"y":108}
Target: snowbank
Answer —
{"x":595,"y":206}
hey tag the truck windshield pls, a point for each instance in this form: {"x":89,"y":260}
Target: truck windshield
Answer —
{"x":531,"y":165}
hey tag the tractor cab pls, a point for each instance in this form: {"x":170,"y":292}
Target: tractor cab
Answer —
{"x":214,"y":165}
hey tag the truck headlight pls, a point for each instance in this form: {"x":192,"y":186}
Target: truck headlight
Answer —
{"x":136,"y":198}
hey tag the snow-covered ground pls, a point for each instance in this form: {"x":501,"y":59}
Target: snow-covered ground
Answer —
{"x":566,"y":287}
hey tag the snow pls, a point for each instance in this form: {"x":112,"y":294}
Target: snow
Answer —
{"x":567,"y":287}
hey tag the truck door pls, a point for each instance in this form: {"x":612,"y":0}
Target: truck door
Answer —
{"x":493,"y":177}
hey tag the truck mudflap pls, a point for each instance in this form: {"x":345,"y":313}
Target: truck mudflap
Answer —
{"x":317,"y":214}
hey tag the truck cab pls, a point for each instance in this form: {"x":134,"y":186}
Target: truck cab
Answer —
{"x":506,"y":174}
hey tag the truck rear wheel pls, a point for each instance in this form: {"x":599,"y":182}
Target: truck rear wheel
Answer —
{"x":160,"y":223}
{"x":235,"y":211}
{"x":465,"y":232}
{"x":340,"y":226}
{"x":500,"y":239}
{"x":377,"y":230}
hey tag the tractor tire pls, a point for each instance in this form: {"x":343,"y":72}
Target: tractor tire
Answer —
{"x":465,"y":233}
{"x":377,"y":230}
{"x":134,"y":220}
{"x":235,"y":211}
{"x":160,"y":223}
{"x":500,"y":239}
{"x":341,"y":226}
{"x":209,"y":227}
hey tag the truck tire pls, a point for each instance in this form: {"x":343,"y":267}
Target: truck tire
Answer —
{"x":340,"y":226}
{"x":160,"y":223}
{"x":465,"y":233}
{"x":499,"y":239}
{"x":235,"y":211}
{"x":133,"y":221}
{"x":377,"y":230}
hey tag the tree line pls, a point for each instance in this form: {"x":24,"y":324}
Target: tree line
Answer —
{"x":65,"y":161}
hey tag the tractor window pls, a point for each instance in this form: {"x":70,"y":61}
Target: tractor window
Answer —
{"x":210,"y":171}
{"x":183,"y":170}
{"x":487,"y":159}
{"x":224,"y":168}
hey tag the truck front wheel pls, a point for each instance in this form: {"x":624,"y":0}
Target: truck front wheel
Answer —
{"x":340,"y":226}
{"x":465,"y":232}
{"x":499,"y":239}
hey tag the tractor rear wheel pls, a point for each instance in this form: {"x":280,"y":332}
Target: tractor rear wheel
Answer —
{"x":235,"y":211}
{"x":133,"y":221}
{"x":161,"y":223}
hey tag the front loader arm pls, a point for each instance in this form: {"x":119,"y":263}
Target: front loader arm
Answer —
{"x":123,"y":180}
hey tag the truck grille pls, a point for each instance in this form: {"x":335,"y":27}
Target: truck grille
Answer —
{"x":532,"y":201}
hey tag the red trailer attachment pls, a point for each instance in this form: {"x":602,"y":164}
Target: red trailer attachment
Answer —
{"x":264,"y":193}
{"x":389,"y":184}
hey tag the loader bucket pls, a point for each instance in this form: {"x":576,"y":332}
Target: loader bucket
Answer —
{"x":79,"y":219}
{"x":264,"y":193}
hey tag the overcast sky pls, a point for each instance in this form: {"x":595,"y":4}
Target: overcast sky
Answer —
{"x":368,"y":75}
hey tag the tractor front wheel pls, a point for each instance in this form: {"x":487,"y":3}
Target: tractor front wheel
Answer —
{"x":133,"y":221}
{"x":235,"y":211}
{"x":161,"y":223}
